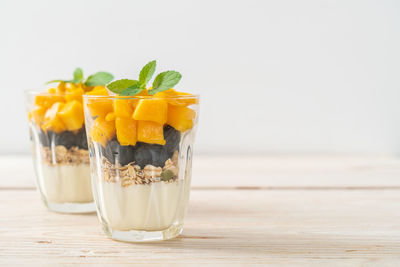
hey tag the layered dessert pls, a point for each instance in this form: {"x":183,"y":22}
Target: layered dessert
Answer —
{"x":139,"y":141}
{"x":60,"y":148}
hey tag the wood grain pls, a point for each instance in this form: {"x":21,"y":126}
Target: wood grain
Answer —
{"x":249,"y":172}
{"x":284,"y":227}
{"x":321,"y":211}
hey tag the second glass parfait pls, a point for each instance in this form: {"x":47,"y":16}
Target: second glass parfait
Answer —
{"x":141,"y":156}
{"x":59,"y":148}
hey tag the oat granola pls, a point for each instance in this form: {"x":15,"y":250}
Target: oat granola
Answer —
{"x":132,"y":174}
{"x":62,"y":155}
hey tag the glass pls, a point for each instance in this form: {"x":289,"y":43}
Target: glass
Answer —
{"x":60,"y":157}
{"x":141,"y":170}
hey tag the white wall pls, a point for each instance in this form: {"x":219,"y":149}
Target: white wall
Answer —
{"x":275,"y":76}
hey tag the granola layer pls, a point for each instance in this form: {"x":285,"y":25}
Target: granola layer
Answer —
{"x":132,"y":173}
{"x":62,"y":155}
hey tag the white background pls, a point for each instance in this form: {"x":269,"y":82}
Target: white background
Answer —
{"x":274,"y":76}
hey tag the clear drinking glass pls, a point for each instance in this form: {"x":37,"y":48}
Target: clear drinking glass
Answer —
{"x":141,"y":170}
{"x":60,"y":157}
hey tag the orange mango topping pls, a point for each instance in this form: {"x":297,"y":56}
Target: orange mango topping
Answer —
{"x":151,"y":110}
{"x":181,"y":118}
{"x":102,"y":131}
{"x":72,"y":115}
{"x":51,"y":119}
{"x":126,"y":131}
{"x":123,"y":108}
{"x":150,"y":132}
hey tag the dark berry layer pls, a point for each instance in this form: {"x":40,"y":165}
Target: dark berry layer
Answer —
{"x":65,"y":138}
{"x":142,"y":153}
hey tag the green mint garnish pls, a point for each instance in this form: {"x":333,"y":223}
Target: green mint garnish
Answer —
{"x":78,"y":75}
{"x":162,"y":82}
{"x":146,"y":73}
{"x":125,"y":87}
{"x":99,"y":78}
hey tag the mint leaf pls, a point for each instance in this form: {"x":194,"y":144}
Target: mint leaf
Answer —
{"x":99,"y":78}
{"x":164,"y":81}
{"x":78,"y":75}
{"x":121,"y":85}
{"x":131,"y":91}
{"x":146,"y":73}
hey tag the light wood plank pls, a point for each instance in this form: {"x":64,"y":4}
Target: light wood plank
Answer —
{"x":276,"y":172}
{"x":244,"y":227}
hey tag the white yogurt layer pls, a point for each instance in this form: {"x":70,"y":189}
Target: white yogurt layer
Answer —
{"x":67,"y":183}
{"x":150,"y":207}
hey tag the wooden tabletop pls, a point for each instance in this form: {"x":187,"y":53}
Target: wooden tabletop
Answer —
{"x":243,"y":210}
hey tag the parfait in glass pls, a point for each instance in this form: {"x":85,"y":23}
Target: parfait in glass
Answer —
{"x":59,"y":143}
{"x":141,"y":144}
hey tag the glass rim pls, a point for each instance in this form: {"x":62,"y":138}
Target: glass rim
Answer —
{"x":178,"y":97}
{"x":85,"y":96}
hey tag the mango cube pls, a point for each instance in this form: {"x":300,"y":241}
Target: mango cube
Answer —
{"x":172,"y":97}
{"x":74,"y":95}
{"x":102,"y":131}
{"x":126,"y":131}
{"x":100,"y":107}
{"x":150,"y":132}
{"x":37,"y":114}
{"x":72,"y":115}
{"x":98,"y":90}
{"x":180,"y":117}
{"x":110,"y":116}
{"x":123,"y":108}
{"x":51,"y":119}
{"x":154,"y":110}
{"x":46,"y":100}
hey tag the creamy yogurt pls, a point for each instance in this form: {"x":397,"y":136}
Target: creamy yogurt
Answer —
{"x":67,"y":183}
{"x":151,"y":207}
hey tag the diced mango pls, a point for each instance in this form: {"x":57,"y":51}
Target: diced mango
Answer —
{"x":38,"y":115}
{"x":74,"y":95}
{"x":123,"y":107}
{"x":110,"y":116}
{"x":51,"y":119}
{"x":100,"y":106}
{"x":180,"y":117}
{"x":102,"y":131}
{"x":52,"y":90}
{"x":150,"y":132}
{"x":126,"y":131}
{"x":143,"y":94}
{"x":46,"y":100}
{"x":72,"y":115}
{"x":172,"y":97}
{"x":70,"y":86}
{"x":61,"y":87}
{"x":151,"y":110}
{"x":98,"y":90}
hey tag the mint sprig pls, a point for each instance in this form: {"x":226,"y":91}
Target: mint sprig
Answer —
{"x":147,"y":72}
{"x":99,"y":78}
{"x":78,"y":76}
{"x":163,"y":81}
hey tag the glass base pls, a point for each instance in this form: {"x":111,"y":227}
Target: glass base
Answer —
{"x":71,"y":207}
{"x":144,"y":236}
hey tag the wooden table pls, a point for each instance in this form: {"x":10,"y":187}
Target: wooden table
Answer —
{"x":243,"y":210}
